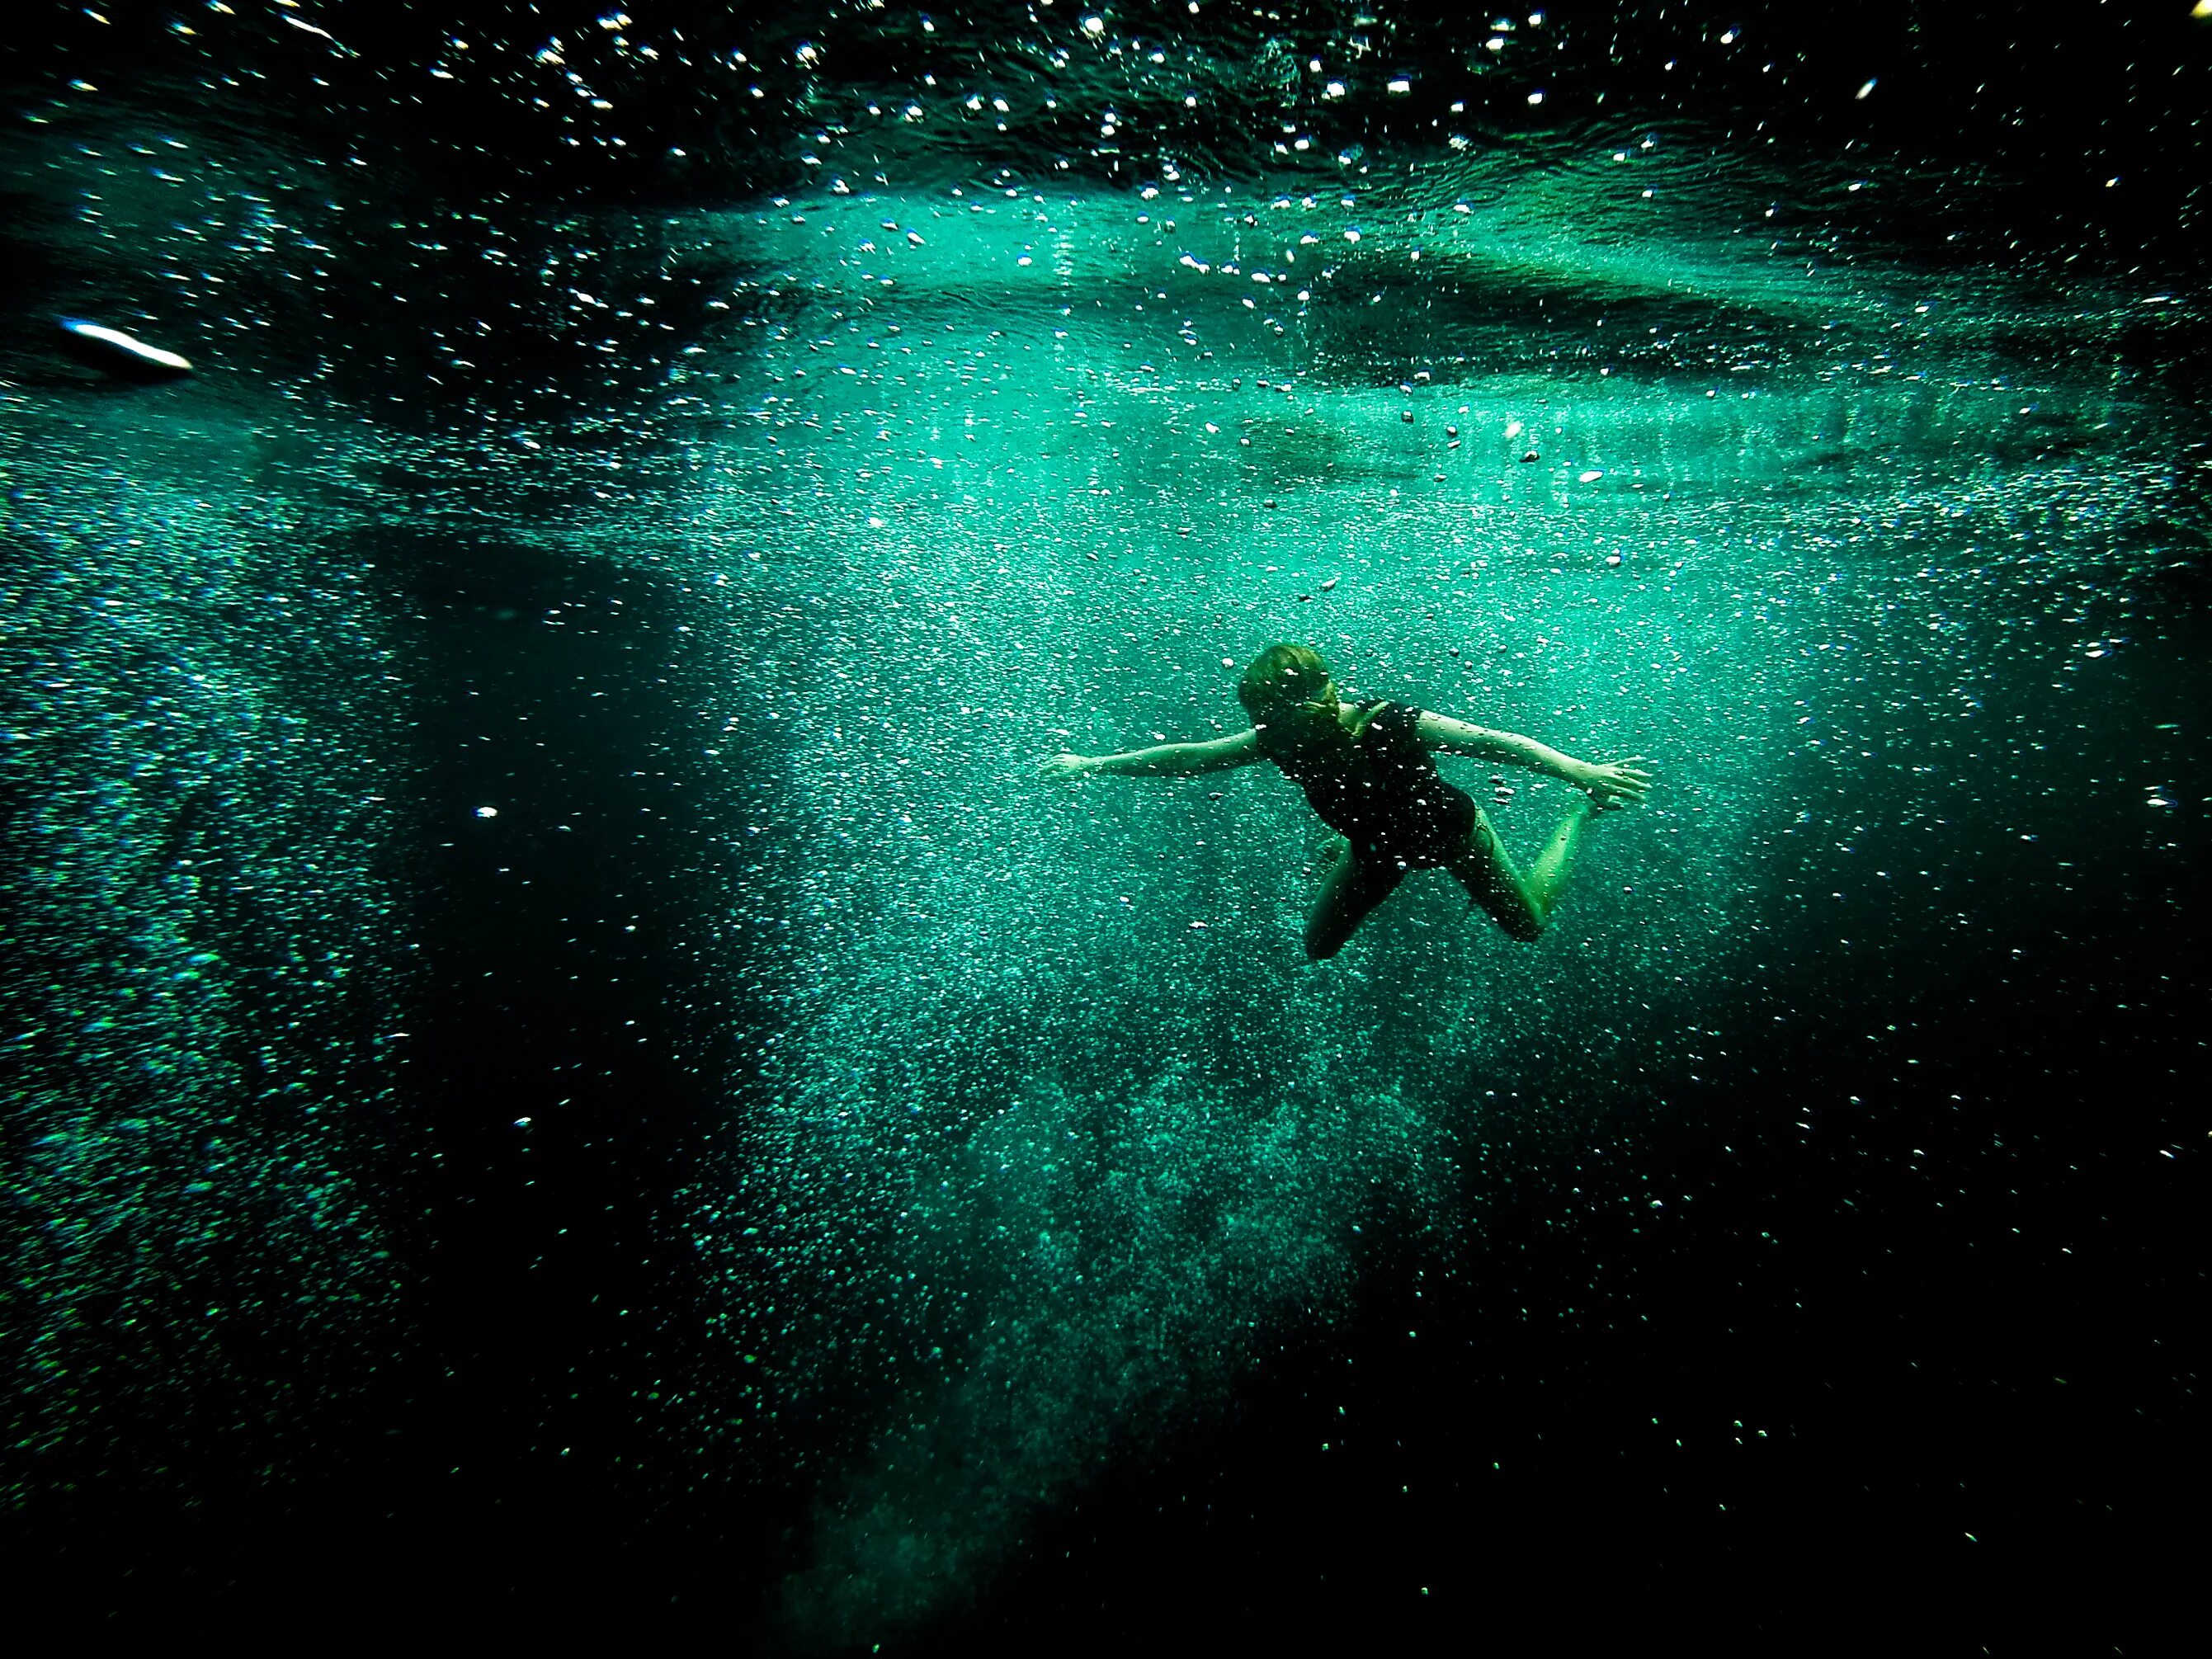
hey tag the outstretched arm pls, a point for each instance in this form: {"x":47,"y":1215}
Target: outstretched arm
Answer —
{"x":1166,"y":759}
{"x":1610,"y":783}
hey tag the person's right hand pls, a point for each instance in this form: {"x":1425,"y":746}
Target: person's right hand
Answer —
{"x":1066,"y":766}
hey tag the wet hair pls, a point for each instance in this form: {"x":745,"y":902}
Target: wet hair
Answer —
{"x":1281,"y":676}
{"x":1280,"y":679}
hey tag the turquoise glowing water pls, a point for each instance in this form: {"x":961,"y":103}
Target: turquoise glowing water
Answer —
{"x":1041,"y":1133}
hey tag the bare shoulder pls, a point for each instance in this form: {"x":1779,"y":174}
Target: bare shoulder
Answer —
{"x":1358,"y":717}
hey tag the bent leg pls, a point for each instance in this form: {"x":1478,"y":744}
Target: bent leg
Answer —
{"x":1353,"y":888}
{"x":1522,"y":905}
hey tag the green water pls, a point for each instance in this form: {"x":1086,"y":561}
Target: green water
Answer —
{"x":1066,"y":1125}
{"x":1050,"y":1133}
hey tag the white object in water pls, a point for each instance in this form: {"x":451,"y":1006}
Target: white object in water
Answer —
{"x":112,"y":349}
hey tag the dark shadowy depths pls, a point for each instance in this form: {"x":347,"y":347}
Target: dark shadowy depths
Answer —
{"x":1818,"y":1395}
{"x":537,"y":1452}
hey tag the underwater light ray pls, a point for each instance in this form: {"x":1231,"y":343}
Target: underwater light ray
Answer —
{"x":1053,"y":1200}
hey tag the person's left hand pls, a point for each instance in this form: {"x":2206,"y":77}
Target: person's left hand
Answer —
{"x":1616,"y":783}
{"x":1065,"y":766}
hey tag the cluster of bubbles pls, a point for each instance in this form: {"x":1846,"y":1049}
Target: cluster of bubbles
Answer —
{"x":202,"y":993}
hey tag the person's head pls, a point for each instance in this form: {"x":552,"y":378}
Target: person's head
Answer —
{"x":1289,"y":695}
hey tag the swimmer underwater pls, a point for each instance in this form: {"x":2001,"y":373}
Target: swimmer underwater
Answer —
{"x":1366,"y":768}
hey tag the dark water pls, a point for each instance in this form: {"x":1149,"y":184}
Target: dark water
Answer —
{"x":567,"y":1072}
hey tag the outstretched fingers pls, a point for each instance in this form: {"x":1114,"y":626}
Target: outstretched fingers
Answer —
{"x":1621,"y":782}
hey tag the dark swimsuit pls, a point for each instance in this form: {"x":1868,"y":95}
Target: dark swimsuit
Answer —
{"x":1382,"y":793}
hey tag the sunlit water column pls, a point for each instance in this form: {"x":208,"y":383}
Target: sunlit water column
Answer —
{"x":1058,"y":1129}
{"x":1064,"y":1127}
